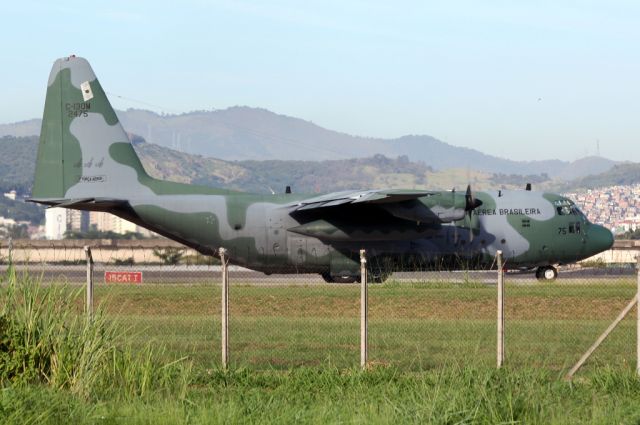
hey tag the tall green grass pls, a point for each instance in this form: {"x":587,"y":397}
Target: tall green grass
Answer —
{"x":46,"y":339}
{"x":456,"y":394}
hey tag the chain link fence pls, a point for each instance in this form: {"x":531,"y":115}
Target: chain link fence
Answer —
{"x":170,"y":297}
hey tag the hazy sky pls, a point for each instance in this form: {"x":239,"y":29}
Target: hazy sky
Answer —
{"x":522,"y":80}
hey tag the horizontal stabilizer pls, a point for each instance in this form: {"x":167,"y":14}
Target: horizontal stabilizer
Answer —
{"x":74,"y":202}
{"x":96,"y":204}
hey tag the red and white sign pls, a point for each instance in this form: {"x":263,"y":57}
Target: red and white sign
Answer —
{"x":123,"y":277}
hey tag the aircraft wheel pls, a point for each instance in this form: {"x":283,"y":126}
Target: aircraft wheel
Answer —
{"x":547,"y":273}
{"x":338,"y":279}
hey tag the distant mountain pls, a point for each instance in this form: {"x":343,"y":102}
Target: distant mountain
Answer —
{"x":243,"y":133}
{"x":21,"y":128}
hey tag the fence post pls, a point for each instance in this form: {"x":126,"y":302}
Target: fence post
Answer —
{"x":225,"y":308}
{"x":89,"y":257}
{"x":11,"y":270}
{"x":500,"y":344}
{"x":364,"y":306}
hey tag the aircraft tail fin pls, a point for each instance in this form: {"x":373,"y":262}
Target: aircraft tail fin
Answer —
{"x":83,"y":152}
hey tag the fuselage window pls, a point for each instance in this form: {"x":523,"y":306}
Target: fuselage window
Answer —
{"x":572,"y":228}
{"x":578,"y":227}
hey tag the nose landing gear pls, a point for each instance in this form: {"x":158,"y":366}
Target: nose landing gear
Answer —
{"x":546,"y":273}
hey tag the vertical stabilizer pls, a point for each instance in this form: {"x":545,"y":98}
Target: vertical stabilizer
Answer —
{"x":83,"y":150}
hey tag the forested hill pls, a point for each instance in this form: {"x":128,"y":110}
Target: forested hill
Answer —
{"x":17,"y":163}
{"x":377,"y":171}
{"x":18,"y":156}
{"x":620,"y":175}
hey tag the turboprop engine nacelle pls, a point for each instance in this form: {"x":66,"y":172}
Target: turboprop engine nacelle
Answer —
{"x":437,"y":207}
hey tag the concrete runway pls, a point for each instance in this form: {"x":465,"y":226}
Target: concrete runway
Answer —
{"x":156,"y":274}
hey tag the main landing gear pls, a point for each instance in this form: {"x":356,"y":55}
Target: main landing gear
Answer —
{"x":546,"y":273}
{"x":379,"y":277}
{"x":339,"y":279}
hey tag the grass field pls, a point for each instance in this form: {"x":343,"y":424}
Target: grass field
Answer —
{"x":453,"y":395}
{"x":412,"y":326}
{"x":295,"y":351}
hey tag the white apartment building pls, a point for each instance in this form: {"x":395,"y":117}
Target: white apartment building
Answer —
{"x":55,"y":223}
{"x":60,"y":220}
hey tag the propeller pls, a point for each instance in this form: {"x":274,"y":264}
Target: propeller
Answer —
{"x":471,"y":203}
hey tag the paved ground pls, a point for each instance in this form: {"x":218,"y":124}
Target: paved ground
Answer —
{"x":203,"y":274}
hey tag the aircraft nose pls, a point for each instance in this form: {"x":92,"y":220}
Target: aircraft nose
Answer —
{"x":600,"y":239}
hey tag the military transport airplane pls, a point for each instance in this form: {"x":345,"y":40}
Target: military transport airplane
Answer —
{"x":85,"y":161}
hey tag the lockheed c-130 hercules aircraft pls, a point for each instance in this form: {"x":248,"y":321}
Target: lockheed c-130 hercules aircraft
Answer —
{"x":85,"y":161}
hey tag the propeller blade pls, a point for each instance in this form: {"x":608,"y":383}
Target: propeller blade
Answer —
{"x":471,"y":203}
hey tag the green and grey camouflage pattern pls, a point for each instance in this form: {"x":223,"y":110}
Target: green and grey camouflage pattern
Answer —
{"x":85,"y":161}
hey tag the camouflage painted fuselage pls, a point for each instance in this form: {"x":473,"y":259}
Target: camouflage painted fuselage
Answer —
{"x":265,"y":233}
{"x":85,"y":161}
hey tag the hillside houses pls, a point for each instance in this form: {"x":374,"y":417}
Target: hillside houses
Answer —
{"x":616,"y":207}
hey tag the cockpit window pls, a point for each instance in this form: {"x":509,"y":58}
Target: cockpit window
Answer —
{"x":567,"y":207}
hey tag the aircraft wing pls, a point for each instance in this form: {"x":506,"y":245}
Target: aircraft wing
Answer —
{"x":403,"y":204}
{"x":360,"y":197}
{"x":427,"y":207}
